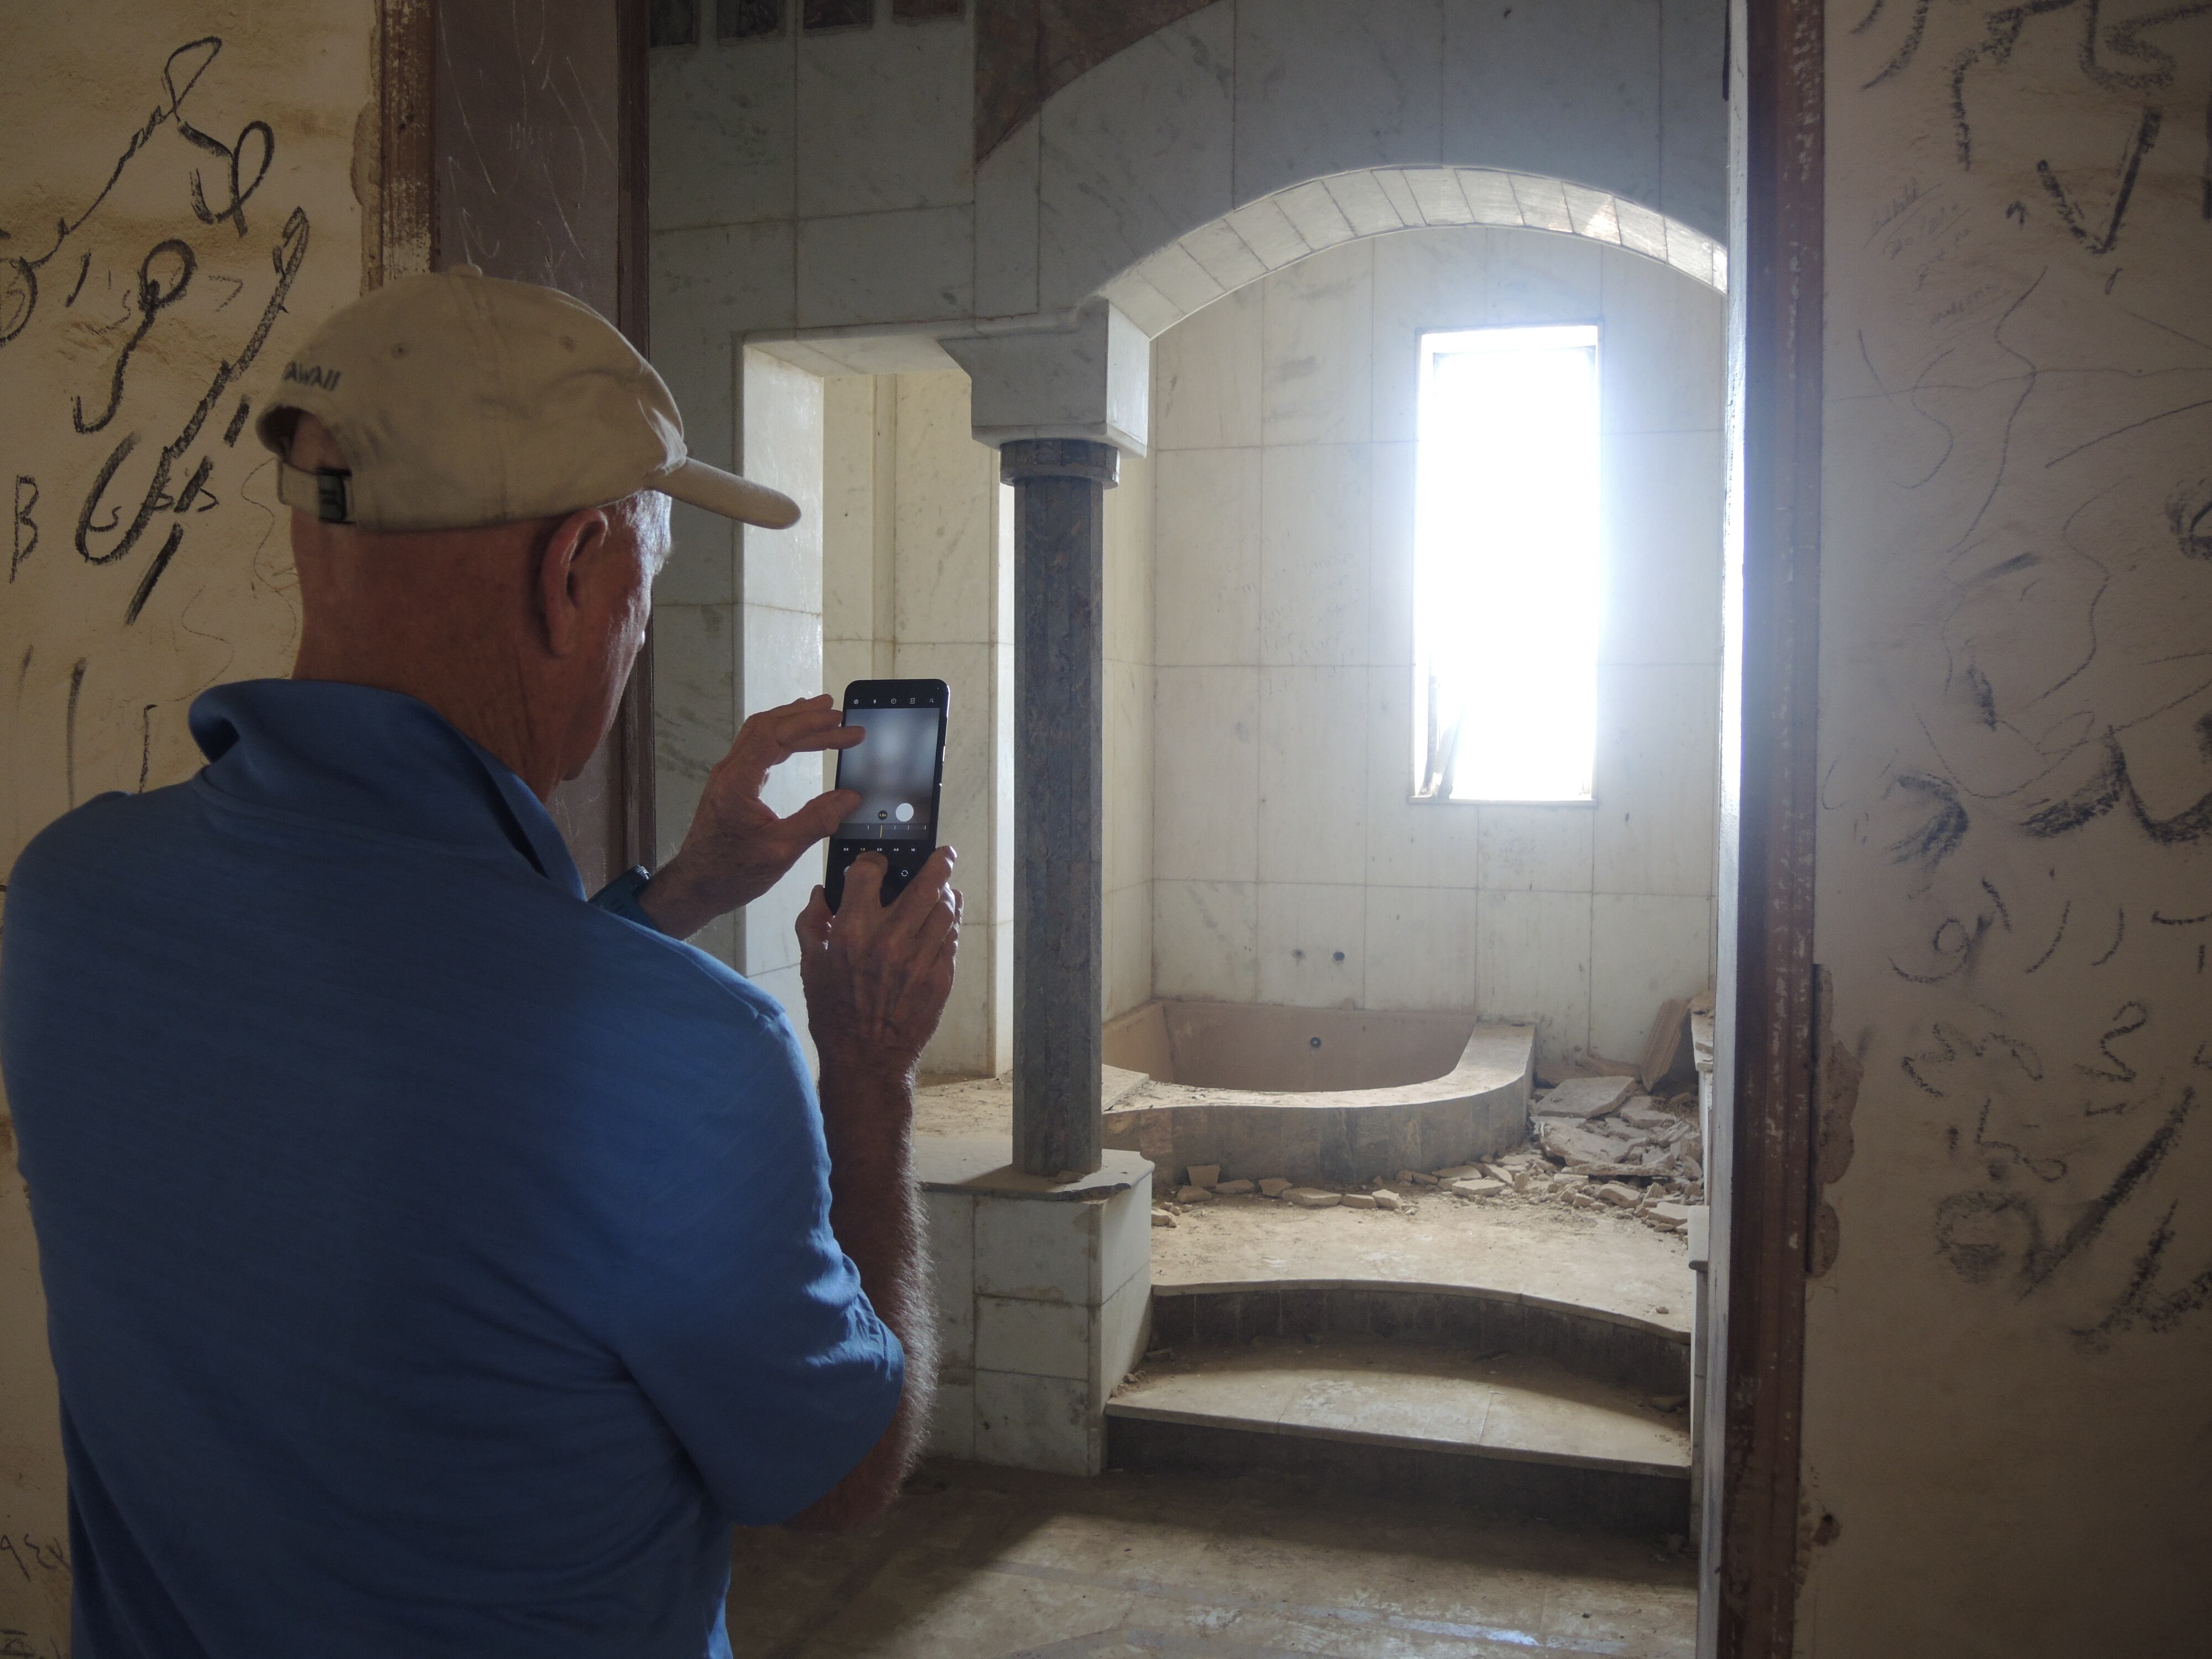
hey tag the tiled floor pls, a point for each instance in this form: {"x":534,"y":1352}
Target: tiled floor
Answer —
{"x":975,"y":1563}
{"x":1405,"y":1394}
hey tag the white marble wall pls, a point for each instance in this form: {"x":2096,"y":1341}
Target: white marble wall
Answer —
{"x":827,"y":181}
{"x":1290,"y":865}
{"x":1129,"y":757}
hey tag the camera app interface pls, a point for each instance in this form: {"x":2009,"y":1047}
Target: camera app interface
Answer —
{"x":894,"y":770}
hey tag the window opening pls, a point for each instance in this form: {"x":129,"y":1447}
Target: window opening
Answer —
{"x":1506,"y":565}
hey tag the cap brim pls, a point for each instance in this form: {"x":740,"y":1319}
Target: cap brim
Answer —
{"x":697,"y":484}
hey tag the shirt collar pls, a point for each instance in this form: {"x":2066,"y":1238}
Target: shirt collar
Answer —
{"x":379,"y":759}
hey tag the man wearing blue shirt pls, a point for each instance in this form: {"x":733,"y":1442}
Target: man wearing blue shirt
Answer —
{"x":437,"y":1262}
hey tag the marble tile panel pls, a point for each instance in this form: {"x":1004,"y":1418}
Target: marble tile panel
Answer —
{"x":1694,"y":116}
{"x":1390,"y":554}
{"x":966,"y":809}
{"x":1425,"y":281}
{"x":1315,"y":526}
{"x":1536,"y":848}
{"x":1043,"y":1250}
{"x":1399,"y":196}
{"x":886,"y":120}
{"x":1274,"y":238}
{"x":1490,"y":197}
{"x":1591,"y":214}
{"x":1569,"y":89}
{"x":1662,"y":499}
{"x":1128,"y":775}
{"x":1206,"y":579}
{"x":1315,"y":216}
{"x":1006,"y":186}
{"x":1420,"y":948}
{"x":1129,"y":518}
{"x":911,"y":266}
{"x":1665,"y":352}
{"x":1224,"y":255}
{"x":1135,"y":154}
{"x":962,"y":1044}
{"x":1658,"y":741}
{"x":770,"y":943}
{"x":1037,"y":1338}
{"x":1693,"y":254}
{"x":1323,"y":89}
{"x":1362,"y":200}
{"x":722,"y":134}
{"x":946,"y":494}
{"x":1036,"y":1423}
{"x":1532,"y":962}
{"x":1316,"y":368}
{"x":848,"y":507}
{"x":1128,"y":949}
{"x":1313,"y":771}
{"x":1136,"y":297}
{"x":1437,"y":193}
{"x":1123,"y":1323}
{"x":1176,"y":276}
{"x":781,"y":448}
{"x":1205,"y":941}
{"x":1206,"y":376}
{"x":1543,"y":204}
{"x":950,"y":1218}
{"x":1644,"y":948}
{"x":1206,"y":773}
{"x":1312,"y":943}
{"x":1410,"y":844}
{"x":716,"y":281}
{"x":780,"y":658}
{"x":1538,"y":278}
{"x":1125,"y":1240}
{"x":694,"y":666}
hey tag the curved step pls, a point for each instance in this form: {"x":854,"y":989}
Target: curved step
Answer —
{"x":1603,"y":1345}
{"x":1510,"y":1431}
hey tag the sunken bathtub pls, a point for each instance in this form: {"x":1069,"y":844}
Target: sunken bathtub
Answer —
{"x":1318,"y":1095}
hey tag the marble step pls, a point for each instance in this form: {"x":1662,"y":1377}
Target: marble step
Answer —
{"x":1517,"y":1432}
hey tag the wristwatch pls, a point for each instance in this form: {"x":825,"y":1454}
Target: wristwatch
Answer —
{"x":620,"y":896}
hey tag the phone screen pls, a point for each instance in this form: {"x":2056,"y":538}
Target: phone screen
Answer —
{"x":894,"y":771}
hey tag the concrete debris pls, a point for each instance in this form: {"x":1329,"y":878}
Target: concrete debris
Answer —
{"x":1274,"y":1187}
{"x":1205,"y":1174}
{"x":1460,"y":1172}
{"x":1585,"y":1096}
{"x":1405,"y":1176}
{"x":1194,"y":1195}
{"x":1670,"y":1216}
{"x":1620,"y":1195}
{"x":1313,"y":1198}
{"x":1231,"y":1189}
{"x":1421,"y":1180}
{"x":1162,"y":1219}
{"x":1387,"y":1201}
{"x":1670,"y":1402}
{"x":1481,"y":1187}
{"x":1359,"y":1201}
{"x":1667,"y":1051}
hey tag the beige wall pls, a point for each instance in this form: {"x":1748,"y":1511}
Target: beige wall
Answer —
{"x":98,"y":700}
{"x":1291,"y":865}
{"x":2005,"y":1410}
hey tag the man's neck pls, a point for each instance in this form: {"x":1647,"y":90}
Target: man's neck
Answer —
{"x":491,"y":710}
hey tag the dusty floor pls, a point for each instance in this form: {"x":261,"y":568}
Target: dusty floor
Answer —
{"x":977,"y":1563}
{"x":1592,"y":1260}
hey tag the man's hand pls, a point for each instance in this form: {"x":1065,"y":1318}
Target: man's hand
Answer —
{"x":877,"y":975}
{"x":737,"y":848}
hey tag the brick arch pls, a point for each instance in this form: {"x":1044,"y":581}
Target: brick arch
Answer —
{"x":1277,"y":230}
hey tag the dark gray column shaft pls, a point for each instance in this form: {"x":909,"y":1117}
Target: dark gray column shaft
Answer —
{"x":1060,"y":487}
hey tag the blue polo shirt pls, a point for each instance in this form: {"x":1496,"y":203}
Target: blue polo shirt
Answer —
{"x":436,"y":1263}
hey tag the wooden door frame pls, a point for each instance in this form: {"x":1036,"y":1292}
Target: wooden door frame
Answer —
{"x":1779,"y":157}
{"x":400,"y":237}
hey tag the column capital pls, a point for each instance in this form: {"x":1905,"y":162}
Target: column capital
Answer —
{"x":1086,"y":374}
{"x":1059,"y":457}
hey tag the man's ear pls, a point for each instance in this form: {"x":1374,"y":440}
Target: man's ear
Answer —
{"x":566,"y":572}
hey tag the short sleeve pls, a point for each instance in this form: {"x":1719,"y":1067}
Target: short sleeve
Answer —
{"x":741,"y":1318}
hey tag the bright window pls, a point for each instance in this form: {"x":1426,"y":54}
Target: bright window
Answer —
{"x":1506,"y":565}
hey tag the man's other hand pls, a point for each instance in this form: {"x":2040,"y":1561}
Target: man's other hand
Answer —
{"x":877,"y":975}
{"x":736,"y":847}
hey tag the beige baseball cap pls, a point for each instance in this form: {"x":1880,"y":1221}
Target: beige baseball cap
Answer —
{"x":460,"y":400}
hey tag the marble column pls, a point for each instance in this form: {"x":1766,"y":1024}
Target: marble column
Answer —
{"x":1060,"y":486}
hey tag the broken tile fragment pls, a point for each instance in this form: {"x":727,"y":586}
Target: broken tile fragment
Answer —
{"x":1313,"y":1198}
{"x":1275,"y":1186}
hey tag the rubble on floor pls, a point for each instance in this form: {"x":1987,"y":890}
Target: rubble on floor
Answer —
{"x":1596,"y":1144}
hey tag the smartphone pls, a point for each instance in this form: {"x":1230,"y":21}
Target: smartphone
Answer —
{"x":898,"y":772}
